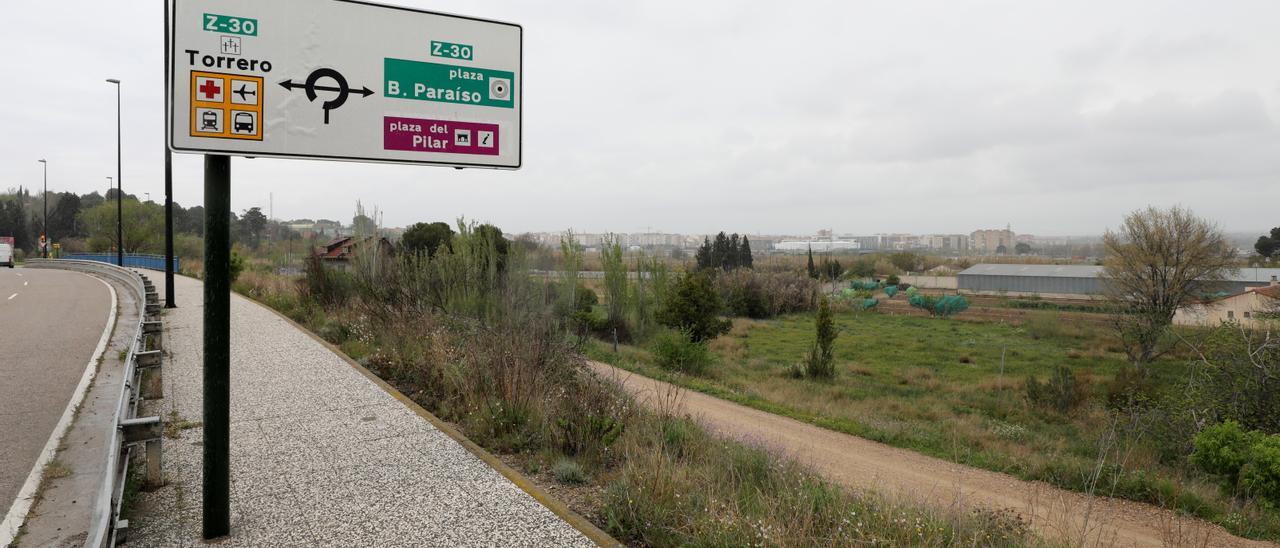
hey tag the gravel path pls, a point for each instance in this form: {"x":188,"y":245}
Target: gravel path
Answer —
{"x":320,"y":455}
{"x":863,"y":464}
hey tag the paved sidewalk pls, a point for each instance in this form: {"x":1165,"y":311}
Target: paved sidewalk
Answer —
{"x":320,"y":455}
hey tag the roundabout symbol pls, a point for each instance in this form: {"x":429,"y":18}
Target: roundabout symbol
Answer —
{"x":341,"y":88}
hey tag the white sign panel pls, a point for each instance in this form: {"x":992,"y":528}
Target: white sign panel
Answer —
{"x":343,"y":80}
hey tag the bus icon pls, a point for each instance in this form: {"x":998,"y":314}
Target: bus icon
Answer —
{"x":243,"y":122}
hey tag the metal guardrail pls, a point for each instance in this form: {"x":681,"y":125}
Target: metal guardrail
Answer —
{"x":131,"y":260}
{"x":106,"y":527}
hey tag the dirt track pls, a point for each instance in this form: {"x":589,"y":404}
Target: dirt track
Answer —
{"x":1056,"y":514}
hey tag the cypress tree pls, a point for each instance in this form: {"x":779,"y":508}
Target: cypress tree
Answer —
{"x":704,"y":254}
{"x":734,"y":258}
{"x":813,"y":270}
{"x":746,"y":259}
{"x":720,"y":250}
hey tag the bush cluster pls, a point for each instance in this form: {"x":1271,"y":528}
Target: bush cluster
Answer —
{"x":759,"y":295}
{"x":693,"y":307}
{"x":676,"y":351}
{"x":1247,"y":462}
{"x":1062,"y":392}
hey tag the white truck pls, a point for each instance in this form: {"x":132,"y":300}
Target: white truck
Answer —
{"x":6,"y":251}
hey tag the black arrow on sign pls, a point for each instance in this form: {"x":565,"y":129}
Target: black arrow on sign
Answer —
{"x":311,"y":87}
{"x":290,"y":85}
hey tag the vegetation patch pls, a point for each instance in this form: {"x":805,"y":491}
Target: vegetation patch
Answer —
{"x":470,"y":335}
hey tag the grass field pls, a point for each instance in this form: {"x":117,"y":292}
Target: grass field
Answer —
{"x":956,"y":390}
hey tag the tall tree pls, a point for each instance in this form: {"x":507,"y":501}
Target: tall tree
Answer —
{"x":733,"y":259}
{"x":813,"y":269}
{"x":252,"y":223}
{"x":62,"y":217}
{"x":427,"y":237}
{"x":143,"y":226}
{"x":703,"y":256}
{"x":615,"y":282}
{"x":190,"y":220}
{"x":15,"y":222}
{"x":1268,"y":246}
{"x":719,"y":250}
{"x":1159,"y":261}
{"x":746,"y":259}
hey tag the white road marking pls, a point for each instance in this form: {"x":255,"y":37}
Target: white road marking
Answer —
{"x":12,"y":296}
{"x":19,"y":274}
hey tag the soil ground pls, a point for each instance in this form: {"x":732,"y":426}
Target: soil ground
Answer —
{"x":861,"y":464}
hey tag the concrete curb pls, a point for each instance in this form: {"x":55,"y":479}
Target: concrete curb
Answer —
{"x":584,"y":526}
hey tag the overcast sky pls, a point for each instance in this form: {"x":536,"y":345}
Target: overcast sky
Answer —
{"x":696,"y":116}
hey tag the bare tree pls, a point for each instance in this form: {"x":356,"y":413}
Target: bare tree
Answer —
{"x":1159,"y":261}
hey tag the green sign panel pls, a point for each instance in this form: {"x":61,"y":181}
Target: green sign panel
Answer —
{"x":451,"y":50}
{"x":443,"y":83}
{"x":234,"y":25}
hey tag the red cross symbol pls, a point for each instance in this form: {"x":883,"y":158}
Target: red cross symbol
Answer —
{"x":209,"y":89}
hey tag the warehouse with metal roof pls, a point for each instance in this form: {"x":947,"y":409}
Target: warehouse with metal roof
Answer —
{"x":1073,"y":280}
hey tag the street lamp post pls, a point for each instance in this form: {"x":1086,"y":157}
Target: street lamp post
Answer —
{"x":110,"y":185}
{"x":119,"y":183}
{"x":44,"y":227}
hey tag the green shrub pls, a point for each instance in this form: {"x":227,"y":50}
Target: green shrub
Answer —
{"x":820,"y":364}
{"x":237,"y":266}
{"x":892,"y":280}
{"x":1132,"y":387}
{"x":1261,"y":475}
{"x":694,"y":307}
{"x":677,"y":351}
{"x":569,"y":472}
{"x":1223,"y":449}
{"x":754,"y":294}
{"x":1062,"y":392}
{"x":324,"y":285}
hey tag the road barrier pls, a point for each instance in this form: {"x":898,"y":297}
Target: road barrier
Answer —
{"x":141,"y":381}
{"x":131,"y":260}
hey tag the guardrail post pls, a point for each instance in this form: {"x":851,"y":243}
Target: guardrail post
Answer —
{"x":148,"y":431}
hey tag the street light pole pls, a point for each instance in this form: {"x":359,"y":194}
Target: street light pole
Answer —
{"x":119,"y":183}
{"x":44,"y":227}
{"x":110,"y":185}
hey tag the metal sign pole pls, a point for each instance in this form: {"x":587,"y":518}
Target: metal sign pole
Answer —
{"x":168,"y":182}
{"x":217,"y":346}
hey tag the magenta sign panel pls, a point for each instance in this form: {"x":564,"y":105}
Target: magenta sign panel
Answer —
{"x":419,"y":135}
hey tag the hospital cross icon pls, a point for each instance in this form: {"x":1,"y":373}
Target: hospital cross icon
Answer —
{"x":209,"y":89}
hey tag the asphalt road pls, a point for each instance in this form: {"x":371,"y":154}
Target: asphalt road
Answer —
{"x":50,"y":325}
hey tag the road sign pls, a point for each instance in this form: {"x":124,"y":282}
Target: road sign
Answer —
{"x":343,"y":80}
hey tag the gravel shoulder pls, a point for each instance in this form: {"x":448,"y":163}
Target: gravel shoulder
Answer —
{"x":320,"y":454}
{"x":861,"y":464}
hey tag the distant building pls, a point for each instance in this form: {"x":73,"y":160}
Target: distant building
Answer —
{"x":340,"y":251}
{"x":820,"y":246}
{"x":1249,"y":308}
{"x":1075,"y":280}
{"x":958,"y":243}
{"x":992,"y":242}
